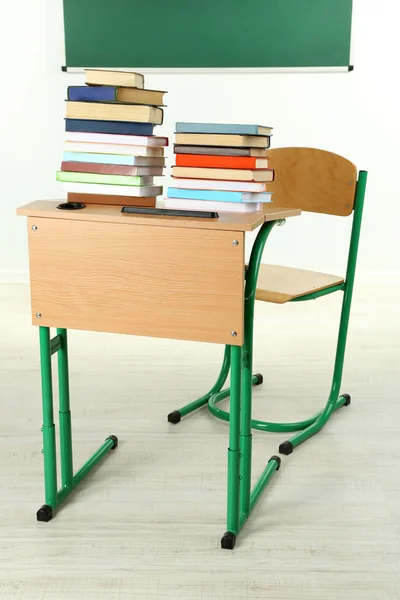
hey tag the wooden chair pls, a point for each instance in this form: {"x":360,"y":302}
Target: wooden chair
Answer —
{"x":321,"y":182}
{"x":315,"y":181}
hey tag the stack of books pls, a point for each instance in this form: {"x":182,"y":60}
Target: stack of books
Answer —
{"x":220,"y":167}
{"x":111,"y":155}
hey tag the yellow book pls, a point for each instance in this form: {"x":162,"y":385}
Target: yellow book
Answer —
{"x":98,"y":111}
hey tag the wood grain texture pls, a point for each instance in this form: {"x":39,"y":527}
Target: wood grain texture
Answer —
{"x":112,"y":214}
{"x":146,"y":524}
{"x":281,"y":284}
{"x":312,"y":180}
{"x":152,"y":281}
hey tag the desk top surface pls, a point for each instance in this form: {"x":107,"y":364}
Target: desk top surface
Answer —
{"x":112,"y":214}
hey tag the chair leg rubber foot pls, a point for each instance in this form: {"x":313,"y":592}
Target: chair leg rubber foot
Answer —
{"x":114,"y":439}
{"x":348,"y":399}
{"x":278,"y":460}
{"x":44,"y":513}
{"x":260,"y":379}
{"x":174,"y":417}
{"x":228,"y":541}
{"x":286,"y":448}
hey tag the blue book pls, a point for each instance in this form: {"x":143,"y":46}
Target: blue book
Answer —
{"x":117,"y":127}
{"x":219,"y":196}
{"x":222,"y":128}
{"x":103,"y":159}
{"x":92,"y":93}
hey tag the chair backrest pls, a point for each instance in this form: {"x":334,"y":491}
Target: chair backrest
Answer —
{"x":312,"y":180}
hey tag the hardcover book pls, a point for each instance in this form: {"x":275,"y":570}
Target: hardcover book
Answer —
{"x":113,"y":127}
{"x":209,"y":139}
{"x":221,"y":128}
{"x":109,"y":77}
{"x":219,"y":196}
{"x":116,"y":180}
{"x":109,"y":93}
{"x":99,"y":111}
{"x":221,"y":151}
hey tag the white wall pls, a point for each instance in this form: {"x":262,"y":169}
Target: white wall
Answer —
{"x":354,"y":114}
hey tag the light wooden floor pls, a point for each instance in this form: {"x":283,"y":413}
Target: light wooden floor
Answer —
{"x":147,"y":524}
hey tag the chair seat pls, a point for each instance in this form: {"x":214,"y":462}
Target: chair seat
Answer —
{"x":282,"y":284}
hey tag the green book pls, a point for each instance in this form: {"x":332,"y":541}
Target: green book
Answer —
{"x":74,"y":177}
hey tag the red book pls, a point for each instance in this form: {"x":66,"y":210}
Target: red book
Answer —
{"x":85,"y":167}
{"x":220,"y":162}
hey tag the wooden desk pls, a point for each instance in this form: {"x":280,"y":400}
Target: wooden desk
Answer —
{"x":100,"y":270}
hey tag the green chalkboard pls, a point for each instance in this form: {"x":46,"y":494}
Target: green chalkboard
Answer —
{"x":207,"y":33}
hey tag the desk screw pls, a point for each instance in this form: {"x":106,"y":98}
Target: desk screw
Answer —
{"x":38,"y":315}
{"x":34,"y":227}
{"x":233,"y":333}
{"x":235,"y":243}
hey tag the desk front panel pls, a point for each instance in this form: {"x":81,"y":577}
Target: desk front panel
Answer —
{"x":136,"y":279}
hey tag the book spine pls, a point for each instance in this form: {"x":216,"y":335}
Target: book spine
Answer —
{"x":111,"y":190}
{"x":99,"y":111}
{"x":85,"y":93}
{"x":223,"y":174}
{"x":204,"y":195}
{"x":108,"y":138}
{"x":215,"y":162}
{"x":106,"y":169}
{"x":218,"y":185}
{"x":186,"y":203}
{"x":216,"y":128}
{"x":113,"y":127}
{"x":214,"y":150}
{"x":75,"y":177}
{"x":105,"y":159}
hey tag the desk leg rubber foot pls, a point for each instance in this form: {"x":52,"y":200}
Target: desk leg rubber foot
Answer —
{"x":348,"y":399}
{"x":228,"y":541}
{"x":44,"y":513}
{"x":174,"y":417}
{"x":277,"y":459}
{"x":260,"y":379}
{"x":114,"y":439}
{"x":286,"y":448}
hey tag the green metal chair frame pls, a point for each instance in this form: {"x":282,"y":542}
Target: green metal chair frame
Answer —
{"x":241,"y":498}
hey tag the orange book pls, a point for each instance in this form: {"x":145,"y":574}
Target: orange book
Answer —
{"x":220,"y":162}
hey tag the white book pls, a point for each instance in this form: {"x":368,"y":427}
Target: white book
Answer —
{"x":187,"y":204}
{"x":108,"y":138}
{"x":112,"y":149}
{"x":217,"y":184}
{"x":112,"y":190}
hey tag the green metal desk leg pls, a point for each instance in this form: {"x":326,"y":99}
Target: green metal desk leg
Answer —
{"x":49,"y":435}
{"x":53,"y":498}
{"x":67,"y":472}
{"x":242,"y":378}
{"x":229,"y":538}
